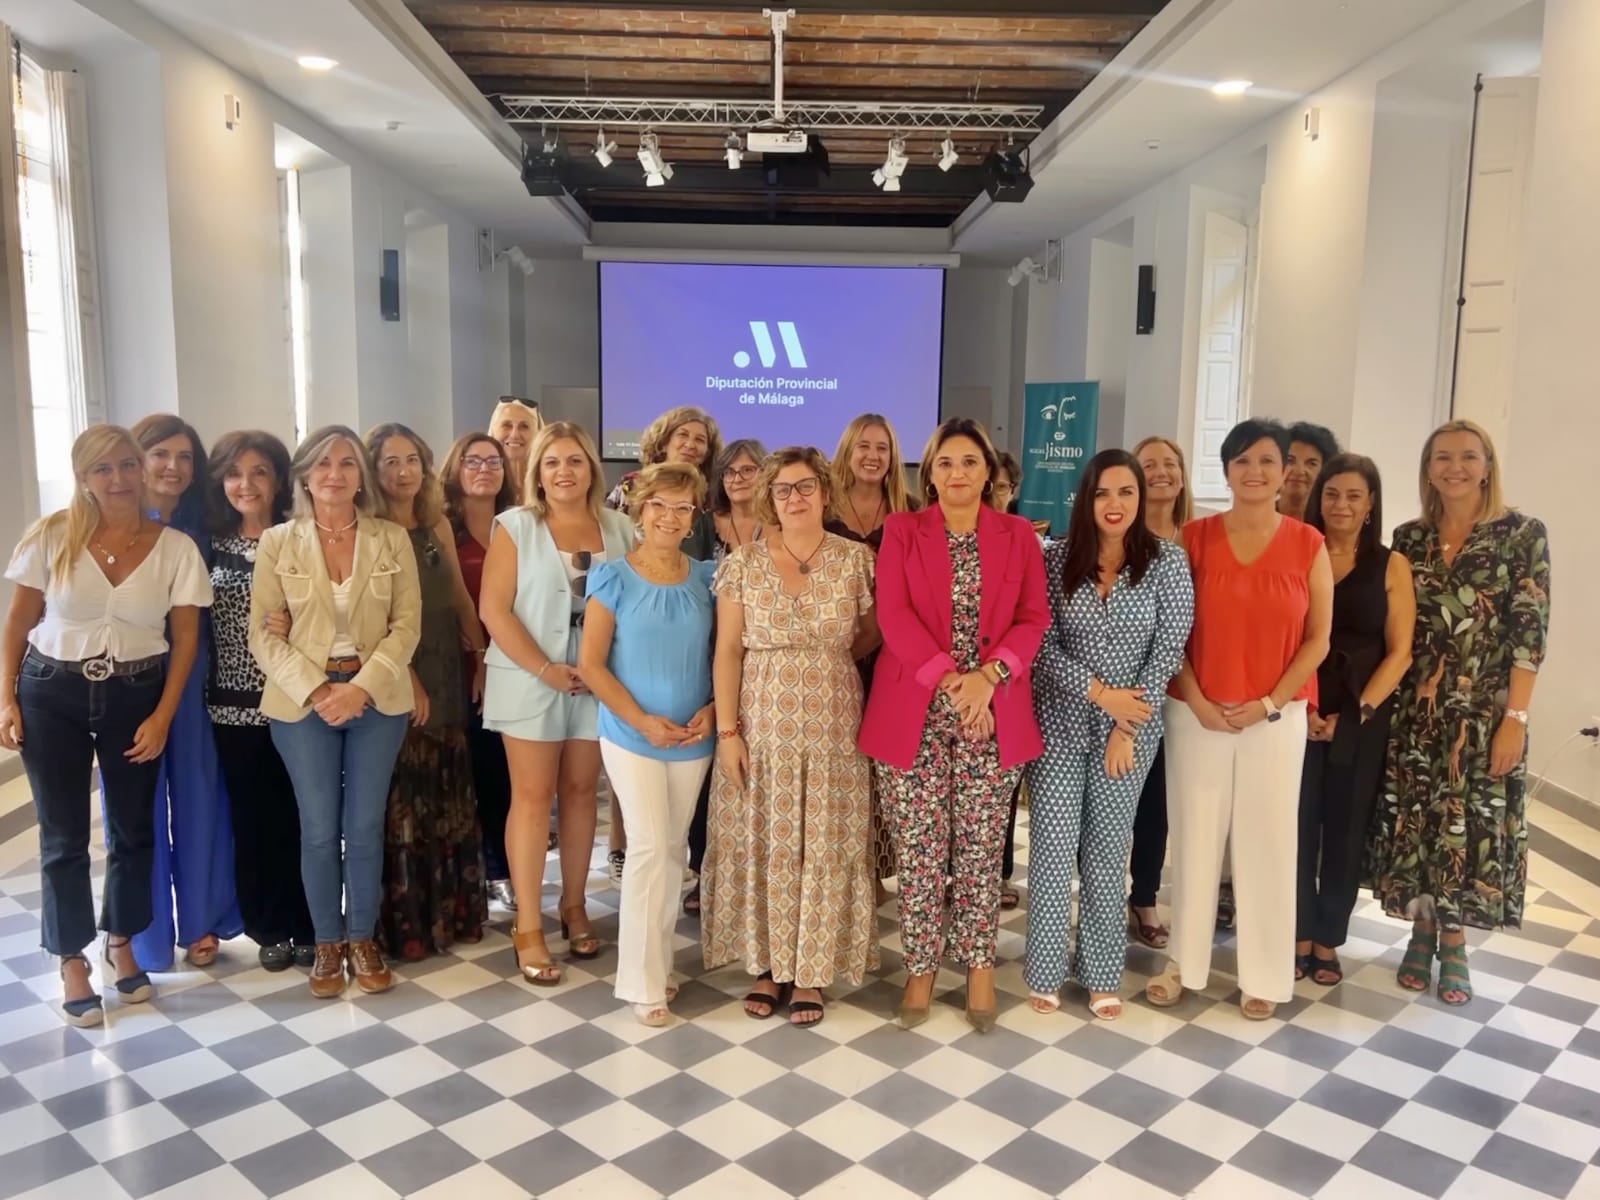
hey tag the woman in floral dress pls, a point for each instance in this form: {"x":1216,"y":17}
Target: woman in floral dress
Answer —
{"x":1450,"y":842}
{"x":787,"y":885}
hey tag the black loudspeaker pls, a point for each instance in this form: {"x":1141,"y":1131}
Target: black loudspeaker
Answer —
{"x":1006,"y":176}
{"x":389,"y":286}
{"x":1145,"y":317}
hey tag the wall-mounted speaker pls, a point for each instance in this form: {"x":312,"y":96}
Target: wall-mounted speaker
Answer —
{"x":389,"y":286}
{"x":1145,"y":315}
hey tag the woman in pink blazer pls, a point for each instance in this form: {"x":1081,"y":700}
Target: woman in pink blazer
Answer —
{"x":950,"y":723}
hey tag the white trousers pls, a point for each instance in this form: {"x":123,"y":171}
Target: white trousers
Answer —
{"x":658,"y":800}
{"x":1237,"y":792}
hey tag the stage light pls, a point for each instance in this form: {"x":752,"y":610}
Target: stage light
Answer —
{"x":947,"y":154}
{"x":733,"y":151}
{"x":657,"y":170}
{"x":603,"y":150}
{"x":894,"y":165}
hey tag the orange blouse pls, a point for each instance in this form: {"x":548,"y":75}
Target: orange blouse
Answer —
{"x":1249,"y":620}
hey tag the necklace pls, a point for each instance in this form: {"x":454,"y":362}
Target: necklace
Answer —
{"x":738,"y":539}
{"x":877,"y":515}
{"x":111,"y":559}
{"x":652,"y":570}
{"x":334,"y":536}
{"x":805,"y":563}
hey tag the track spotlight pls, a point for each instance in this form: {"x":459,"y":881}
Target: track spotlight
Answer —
{"x":1026,"y":269}
{"x":603,"y":150}
{"x":894,"y":165}
{"x":733,"y":151}
{"x":947,"y":154}
{"x":657,"y":170}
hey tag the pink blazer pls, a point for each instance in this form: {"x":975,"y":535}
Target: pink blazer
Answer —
{"x":915,"y":614}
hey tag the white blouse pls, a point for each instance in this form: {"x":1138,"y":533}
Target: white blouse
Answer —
{"x":85,"y":617}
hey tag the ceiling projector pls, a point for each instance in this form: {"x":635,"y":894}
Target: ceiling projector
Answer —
{"x":777,"y":141}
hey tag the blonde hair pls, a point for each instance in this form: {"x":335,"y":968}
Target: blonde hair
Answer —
{"x":664,"y":477}
{"x":506,"y":402}
{"x":533,"y":490}
{"x":428,"y":507}
{"x":1183,"y":506}
{"x":66,"y":533}
{"x":843,"y":476}
{"x":1494,"y":503}
{"x":653,"y":442}
{"x":789,"y":456}
{"x":310,"y":451}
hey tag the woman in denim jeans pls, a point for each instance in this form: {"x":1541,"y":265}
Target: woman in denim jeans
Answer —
{"x":96,"y":584}
{"x":338,"y":688}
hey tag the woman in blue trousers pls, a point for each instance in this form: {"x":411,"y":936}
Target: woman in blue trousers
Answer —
{"x":1121,"y":603}
{"x":192,"y":869}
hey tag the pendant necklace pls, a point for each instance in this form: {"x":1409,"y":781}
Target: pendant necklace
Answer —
{"x":805,"y":563}
{"x":335,"y":536}
{"x":111,"y":559}
{"x":877,"y":516}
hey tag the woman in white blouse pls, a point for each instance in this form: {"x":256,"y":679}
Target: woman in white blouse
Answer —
{"x":85,"y":673}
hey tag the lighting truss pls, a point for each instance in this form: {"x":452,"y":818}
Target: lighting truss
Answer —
{"x":816,"y":116}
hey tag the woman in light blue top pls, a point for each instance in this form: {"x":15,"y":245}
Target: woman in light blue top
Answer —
{"x":1121,"y":604}
{"x":535,"y":586}
{"x":646,"y":655}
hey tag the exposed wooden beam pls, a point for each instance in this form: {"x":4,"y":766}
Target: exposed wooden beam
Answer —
{"x":1090,"y":9}
{"x":668,"y":89}
{"x":1022,"y":40}
{"x":795,"y":72}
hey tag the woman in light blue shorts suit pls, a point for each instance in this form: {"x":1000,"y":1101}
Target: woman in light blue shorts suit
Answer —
{"x":535,"y":586}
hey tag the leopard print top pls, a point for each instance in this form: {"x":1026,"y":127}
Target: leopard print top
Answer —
{"x":233,"y":687}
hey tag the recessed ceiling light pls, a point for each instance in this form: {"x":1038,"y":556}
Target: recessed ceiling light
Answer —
{"x":316,"y":62}
{"x":1232,"y":87}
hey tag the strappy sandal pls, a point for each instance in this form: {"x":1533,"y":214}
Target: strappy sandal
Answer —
{"x":1257,"y":1010}
{"x":1170,"y":985}
{"x":1325,"y":972}
{"x":691,"y":902}
{"x":1225,"y":906}
{"x":1415,"y":972}
{"x":769,"y":1003}
{"x":1009,"y":897}
{"x":86,"y":1011}
{"x":1106,"y":1008}
{"x":1154,"y":936}
{"x":804,"y":1008}
{"x":653,"y":1015}
{"x":131,"y":989}
{"x":581,"y":941}
{"x":540,"y":972}
{"x":1044,"y":1003}
{"x":204,"y":952}
{"x":1302,"y":966}
{"x":1453,"y":976}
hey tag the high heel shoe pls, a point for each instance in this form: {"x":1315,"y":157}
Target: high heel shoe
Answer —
{"x":131,"y":989}
{"x":982,"y":1019}
{"x":538,"y":973}
{"x":581,"y":941}
{"x":910,"y":1017}
{"x":86,"y":1011}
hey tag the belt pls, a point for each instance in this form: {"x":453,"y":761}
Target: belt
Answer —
{"x":102,"y":667}
{"x":343,"y":666}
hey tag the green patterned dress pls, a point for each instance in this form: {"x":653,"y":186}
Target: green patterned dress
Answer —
{"x":1445,"y":829}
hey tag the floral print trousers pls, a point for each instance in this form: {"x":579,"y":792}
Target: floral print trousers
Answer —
{"x":947,"y":816}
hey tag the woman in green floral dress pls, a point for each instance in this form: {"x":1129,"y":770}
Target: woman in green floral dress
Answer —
{"x":1450,"y":843}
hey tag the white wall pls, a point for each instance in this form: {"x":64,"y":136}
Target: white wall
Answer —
{"x":1557,"y":381}
{"x":333,"y":393}
{"x":1109,"y":333}
{"x":426,"y":316}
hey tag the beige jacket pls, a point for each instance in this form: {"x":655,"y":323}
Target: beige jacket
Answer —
{"x":385,"y":615}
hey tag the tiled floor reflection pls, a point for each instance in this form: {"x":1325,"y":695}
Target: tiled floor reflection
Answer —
{"x":464,"y":1083}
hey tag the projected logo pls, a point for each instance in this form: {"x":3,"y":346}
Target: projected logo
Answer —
{"x":768,"y":352}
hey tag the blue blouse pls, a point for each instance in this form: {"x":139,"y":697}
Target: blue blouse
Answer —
{"x":660,"y":650}
{"x":1134,"y":638}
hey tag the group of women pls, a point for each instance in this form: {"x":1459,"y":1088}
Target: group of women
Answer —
{"x":799,"y":678}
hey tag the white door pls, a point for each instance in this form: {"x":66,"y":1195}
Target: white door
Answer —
{"x":1486,"y":338}
{"x":1221,"y":350}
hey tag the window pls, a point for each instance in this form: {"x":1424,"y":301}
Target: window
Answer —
{"x":60,"y":282}
{"x":295,"y":289}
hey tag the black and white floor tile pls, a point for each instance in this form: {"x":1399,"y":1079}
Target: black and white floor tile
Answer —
{"x":235,"y":1083}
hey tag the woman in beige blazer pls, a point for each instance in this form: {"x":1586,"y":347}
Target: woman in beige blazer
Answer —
{"x":338,"y":688}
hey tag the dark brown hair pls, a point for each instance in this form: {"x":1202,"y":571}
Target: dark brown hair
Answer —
{"x":1140,"y":547}
{"x":190,"y":515}
{"x":450,"y":473}
{"x":956,"y":427}
{"x":1370,"y":538}
{"x":221,"y":517}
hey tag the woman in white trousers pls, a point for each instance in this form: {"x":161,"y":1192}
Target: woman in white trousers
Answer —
{"x":646,"y":656}
{"x":1236,"y":725}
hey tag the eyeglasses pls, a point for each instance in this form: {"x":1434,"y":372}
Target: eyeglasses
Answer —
{"x":491,"y":462}
{"x":742,"y":474}
{"x":661,"y":508}
{"x":806,"y":487}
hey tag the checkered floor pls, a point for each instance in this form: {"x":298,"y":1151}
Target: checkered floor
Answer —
{"x":461,"y":1081}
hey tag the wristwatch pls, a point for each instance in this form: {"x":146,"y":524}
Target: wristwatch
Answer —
{"x":1519,"y":715}
{"x":1273,"y":712}
{"x":1002,"y":671}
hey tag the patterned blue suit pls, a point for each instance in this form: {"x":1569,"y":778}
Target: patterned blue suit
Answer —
{"x":1079,"y":815}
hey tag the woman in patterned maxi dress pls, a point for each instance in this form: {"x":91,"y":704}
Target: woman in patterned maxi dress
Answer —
{"x":1450,"y":843}
{"x":787,"y":885}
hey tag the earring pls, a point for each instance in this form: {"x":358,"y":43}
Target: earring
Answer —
{"x":933,"y":493}
{"x":1368,"y":521}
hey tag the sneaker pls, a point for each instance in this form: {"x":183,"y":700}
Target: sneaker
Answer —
{"x":615,"y":861}
{"x":502,"y":893}
{"x":327,"y":972}
{"x":367,"y":965}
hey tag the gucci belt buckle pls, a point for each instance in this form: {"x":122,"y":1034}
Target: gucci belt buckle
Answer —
{"x":97,"y":670}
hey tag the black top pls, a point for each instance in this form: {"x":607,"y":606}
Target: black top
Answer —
{"x":1357,"y":644}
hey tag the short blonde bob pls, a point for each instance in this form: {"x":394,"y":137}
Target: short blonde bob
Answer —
{"x":664,"y":477}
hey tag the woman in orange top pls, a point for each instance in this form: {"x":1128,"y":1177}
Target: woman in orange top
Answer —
{"x":1236,"y":724}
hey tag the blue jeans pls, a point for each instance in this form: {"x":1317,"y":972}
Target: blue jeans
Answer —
{"x":68,"y":721}
{"x":341,"y":784}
